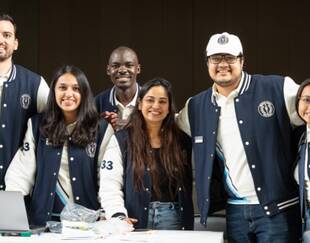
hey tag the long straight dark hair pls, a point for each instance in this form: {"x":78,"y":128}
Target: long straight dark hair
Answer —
{"x":53,"y":125}
{"x":171,"y":155}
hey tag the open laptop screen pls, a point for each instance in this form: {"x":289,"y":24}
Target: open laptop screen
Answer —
{"x":13,"y":212}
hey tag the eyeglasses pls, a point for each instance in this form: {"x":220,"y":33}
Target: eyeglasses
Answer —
{"x":305,"y":99}
{"x":230,"y":59}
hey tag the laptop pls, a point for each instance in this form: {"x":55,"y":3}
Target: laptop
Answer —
{"x":13,"y":214}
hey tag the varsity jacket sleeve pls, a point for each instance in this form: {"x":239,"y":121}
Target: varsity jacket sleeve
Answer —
{"x":111,"y":180}
{"x":21,"y":172}
{"x":290,"y":91}
{"x":42,"y":95}
{"x":106,"y":138}
{"x":183,"y":120}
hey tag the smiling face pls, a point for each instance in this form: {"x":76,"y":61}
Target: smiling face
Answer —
{"x":304,"y":105}
{"x":226,"y":76}
{"x":154,"y":106}
{"x":8,"y":41}
{"x":68,"y":96}
{"x":123,"y":68}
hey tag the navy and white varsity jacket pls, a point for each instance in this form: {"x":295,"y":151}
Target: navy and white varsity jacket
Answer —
{"x":117,"y":184}
{"x":301,"y":163}
{"x":267,"y":136}
{"x":18,"y":103}
{"x":37,"y":176}
{"x":105,"y":101}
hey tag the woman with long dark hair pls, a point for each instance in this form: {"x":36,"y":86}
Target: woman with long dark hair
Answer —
{"x":146,"y":175}
{"x":59,"y":160}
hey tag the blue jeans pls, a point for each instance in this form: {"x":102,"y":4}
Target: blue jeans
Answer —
{"x":249,"y":223}
{"x":307,"y":220}
{"x":306,"y":233}
{"x":164,"y":216}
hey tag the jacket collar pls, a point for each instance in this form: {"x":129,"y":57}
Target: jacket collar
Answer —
{"x":242,"y":87}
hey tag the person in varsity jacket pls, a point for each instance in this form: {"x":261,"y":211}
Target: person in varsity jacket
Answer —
{"x":22,"y":94}
{"x":62,"y":150}
{"x":241,"y":129}
{"x":116,"y":104}
{"x":146,"y":175}
{"x":302,"y":170}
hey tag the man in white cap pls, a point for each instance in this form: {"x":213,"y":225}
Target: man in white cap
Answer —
{"x":242,"y":130}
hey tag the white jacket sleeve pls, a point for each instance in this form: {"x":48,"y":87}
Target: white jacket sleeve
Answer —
{"x":182,"y":119}
{"x":111,"y":180}
{"x":21,"y":172}
{"x":42,"y":95}
{"x":290,"y":91}
{"x":103,"y":146}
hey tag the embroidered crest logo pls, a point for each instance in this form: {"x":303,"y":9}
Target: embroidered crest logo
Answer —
{"x":222,"y":40}
{"x":266,"y":109}
{"x":25,"y":100}
{"x":91,"y":149}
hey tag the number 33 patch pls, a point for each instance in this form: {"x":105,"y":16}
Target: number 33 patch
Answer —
{"x":107,"y":165}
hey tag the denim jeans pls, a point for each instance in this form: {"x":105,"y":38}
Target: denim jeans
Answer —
{"x":306,"y":233}
{"x":249,"y":223}
{"x":307,"y":219}
{"x":164,"y":216}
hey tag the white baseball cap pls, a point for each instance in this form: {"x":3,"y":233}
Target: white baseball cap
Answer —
{"x":224,"y":43}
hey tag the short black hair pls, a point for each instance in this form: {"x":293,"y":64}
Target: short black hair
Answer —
{"x":6,"y":17}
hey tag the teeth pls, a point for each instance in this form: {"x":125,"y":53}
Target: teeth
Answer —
{"x":68,"y":100}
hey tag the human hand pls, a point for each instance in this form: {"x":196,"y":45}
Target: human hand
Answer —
{"x":110,"y":117}
{"x":131,"y":220}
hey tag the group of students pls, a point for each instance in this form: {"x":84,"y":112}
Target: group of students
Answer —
{"x":65,"y":155}
{"x":246,"y":132}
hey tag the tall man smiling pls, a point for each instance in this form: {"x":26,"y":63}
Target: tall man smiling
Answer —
{"x":243,"y":125}
{"x":22,"y":94}
{"x":116,"y":104}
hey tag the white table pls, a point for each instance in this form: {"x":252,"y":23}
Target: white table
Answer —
{"x":162,"y":236}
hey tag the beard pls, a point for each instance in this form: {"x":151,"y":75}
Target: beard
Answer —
{"x":7,"y":54}
{"x":224,"y":83}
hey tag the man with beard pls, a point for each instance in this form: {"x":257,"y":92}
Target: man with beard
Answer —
{"x":22,"y":93}
{"x":242,"y":136}
{"x":116,"y":104}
